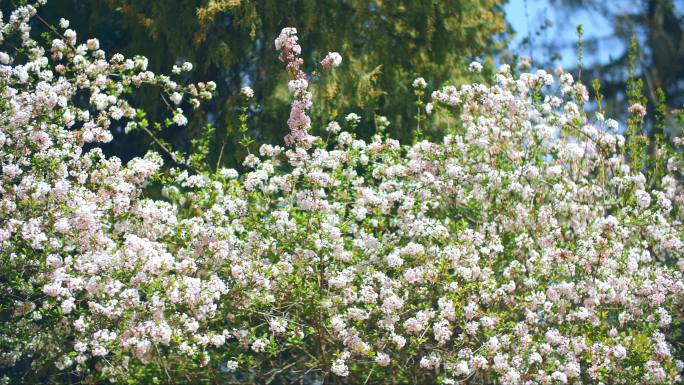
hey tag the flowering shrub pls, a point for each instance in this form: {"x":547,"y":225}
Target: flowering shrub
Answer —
{"x":521,"y":249}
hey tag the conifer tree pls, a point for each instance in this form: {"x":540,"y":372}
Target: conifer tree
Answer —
{"x":385,"y":45}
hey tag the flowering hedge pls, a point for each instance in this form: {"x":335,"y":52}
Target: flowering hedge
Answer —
{"x":523,"y":248}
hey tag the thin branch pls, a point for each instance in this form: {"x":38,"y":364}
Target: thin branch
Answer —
{"x":167,"y":150}
{"x":218,"y":162}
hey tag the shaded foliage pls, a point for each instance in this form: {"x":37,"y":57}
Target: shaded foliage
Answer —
{"x":385,"y":44}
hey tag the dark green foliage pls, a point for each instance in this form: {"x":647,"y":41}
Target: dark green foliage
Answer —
{"x":385,"y":44}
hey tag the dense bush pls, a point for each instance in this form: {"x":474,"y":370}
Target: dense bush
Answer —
{"x":524,"y":248}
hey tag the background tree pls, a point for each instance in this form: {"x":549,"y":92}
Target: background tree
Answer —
{"x":385,"y":44}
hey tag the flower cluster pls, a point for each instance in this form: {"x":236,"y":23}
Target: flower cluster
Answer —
{"x":299,"y":122}
{"x":519,"y":249}
{"x":332,"y":59}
